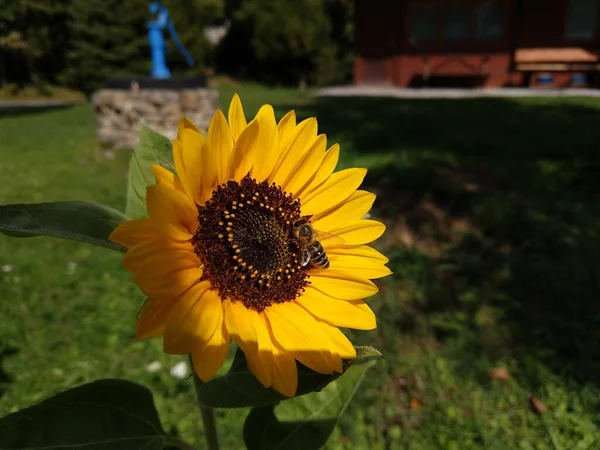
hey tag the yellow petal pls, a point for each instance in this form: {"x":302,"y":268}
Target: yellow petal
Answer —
{"x":245,"y":153}
{"x":189,"y":164}
{"x":185,"y":123}
{"x":239,"y":321}
{"x":285,"y":373}
{"x":363,"y":251}
{"x":254,"y":366}
{"x":165,"y":176}
{"x":353,"y":208}
{"x":285,"y":128}
{"x":334,"y":350}
{"x":220,"y":146}
{"x":335,"y":190}
{"x":262,"y":362}
{"x":341,"y":284}
{"x":139,"y":254}
{"x":325,"y":170}
{"x":160,"y":266}
{"x":194,"y":318}
{"x":169,"y":274}
{"x":172,"y":211}
{"x":358,"y":261}
{"x":337,"y":362}
{"x":298,"y":333}
{"x":237,"y":120}
{"x":268,"y":138}
{"x":208,"y":357}
{"x":133,"y":232}
{"x":152,"y":318}
{"x":339,"y":341}
{"x":288,"y":132}
{"x":307,"y":168}
{"x":301,"y":140}
{"x":348,"y":314}
{"x":249,"y":331}
{"x":179,"y":165}
{"x":205,"y":315}
{"x":359,"y":232}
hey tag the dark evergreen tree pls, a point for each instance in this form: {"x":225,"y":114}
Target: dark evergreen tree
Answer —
{"x":191,"y":17}
{"x":335,"y":62}
{"x":32,"y":40}
{"x":286,"y":35}
{"x":287,"y":41}
{"x":107,"y":38}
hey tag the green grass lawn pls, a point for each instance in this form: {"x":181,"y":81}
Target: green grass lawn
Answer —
{"x":494,"y":238}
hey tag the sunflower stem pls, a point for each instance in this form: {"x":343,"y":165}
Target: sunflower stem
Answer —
{"x":208,"y":416}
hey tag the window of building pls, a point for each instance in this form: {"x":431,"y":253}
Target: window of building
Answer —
{"x":488,"y":21}
{"x":582,"y":20}
{"x":456,"y":22}
{"x":441,"y":22}
{"x":423,"y":24}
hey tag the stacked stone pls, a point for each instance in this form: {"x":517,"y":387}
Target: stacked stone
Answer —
{"x":119,"y":113}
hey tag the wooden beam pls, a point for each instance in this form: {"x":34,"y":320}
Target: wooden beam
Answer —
{"x":557,"y":67}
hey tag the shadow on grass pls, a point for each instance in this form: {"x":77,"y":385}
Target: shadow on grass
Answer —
{"x":21,"y":110}
{"x":495,"y":128}
{"x":500,"y":199}
{"x":5,"y":378}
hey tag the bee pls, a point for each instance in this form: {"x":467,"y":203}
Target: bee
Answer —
{"x":312,"y":250}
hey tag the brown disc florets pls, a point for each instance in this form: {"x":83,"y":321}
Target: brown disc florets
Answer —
{"x":247,"y":246}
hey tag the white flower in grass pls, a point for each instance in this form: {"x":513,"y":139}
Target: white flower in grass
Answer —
{"x":154,"y":367}
{"x":180,"y":370}
{"x":71,"y":267}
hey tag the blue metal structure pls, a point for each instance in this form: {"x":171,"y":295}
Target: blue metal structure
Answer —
{"x":157,"y":41}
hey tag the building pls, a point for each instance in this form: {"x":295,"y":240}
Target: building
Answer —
{"x":492,"y":43}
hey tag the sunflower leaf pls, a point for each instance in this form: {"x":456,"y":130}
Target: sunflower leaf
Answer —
{"x":152,"y":148}
{"x":104,"y":415}
{"x":264,"y":431}
{"x":240,"y":388}
{"x":78,"y":221}
{"x":306,"y":421}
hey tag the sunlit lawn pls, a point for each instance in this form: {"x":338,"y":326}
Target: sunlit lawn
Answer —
{"x":494,"y":238}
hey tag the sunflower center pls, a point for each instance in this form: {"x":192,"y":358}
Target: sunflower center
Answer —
{"x":247,"y":246}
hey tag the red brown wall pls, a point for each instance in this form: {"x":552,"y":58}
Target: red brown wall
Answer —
{"x":385,"y":55}
{"x":377,"y":36}
{"x":541,"y":23}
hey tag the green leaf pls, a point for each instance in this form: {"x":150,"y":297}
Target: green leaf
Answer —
{"x":152,"y":148}
{"x":103,"y":415}
{"x":78,"y":221}
{"x":240,"y":388}
{"x":262,"y":430}
{"x":307,"y":421}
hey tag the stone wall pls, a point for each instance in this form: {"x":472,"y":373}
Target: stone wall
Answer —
{"x":119,"y":112}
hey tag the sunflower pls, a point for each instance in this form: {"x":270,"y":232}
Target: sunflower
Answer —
{"x":220,"y":256}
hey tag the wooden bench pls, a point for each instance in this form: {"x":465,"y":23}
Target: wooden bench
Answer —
{"x":568,"y":59}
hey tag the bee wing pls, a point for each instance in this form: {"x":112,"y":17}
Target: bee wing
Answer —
{"x":328,"y":239}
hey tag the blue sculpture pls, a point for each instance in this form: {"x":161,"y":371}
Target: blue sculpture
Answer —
{"x":157,"y":41}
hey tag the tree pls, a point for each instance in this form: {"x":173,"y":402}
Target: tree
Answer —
{"x":32,"y":37}
{"x":287,"y":41}
{"x":335,"y":62}
{"x":190,"y":18}
{"x":108,"y":38}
